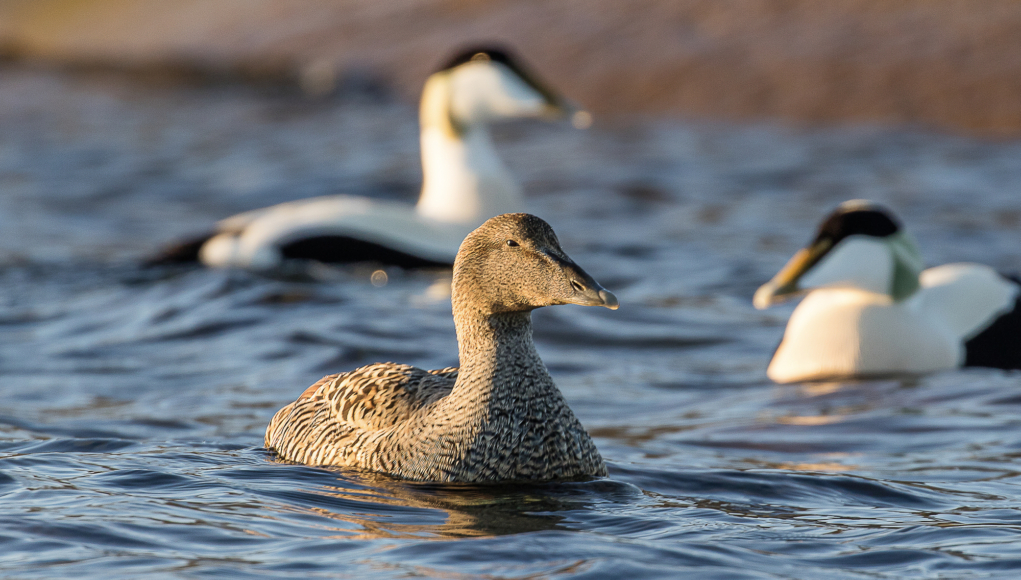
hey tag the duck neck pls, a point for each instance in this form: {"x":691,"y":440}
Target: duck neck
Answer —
{"x":464,"y":181}
{"x":498,"y":359}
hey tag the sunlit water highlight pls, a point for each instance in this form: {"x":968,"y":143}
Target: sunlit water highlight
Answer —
{"x":134,"y":402}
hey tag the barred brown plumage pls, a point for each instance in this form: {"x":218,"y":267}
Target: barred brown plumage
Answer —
{"x":499,"y":417}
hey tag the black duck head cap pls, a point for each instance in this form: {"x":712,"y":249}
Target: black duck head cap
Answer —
{"x":857,"y":217}
{"x":558,"y":105}
{"x":514,"y":263}
{"x":484,"y":53}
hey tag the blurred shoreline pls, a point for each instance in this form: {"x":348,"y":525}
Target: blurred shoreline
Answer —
{"x":946,"y":64}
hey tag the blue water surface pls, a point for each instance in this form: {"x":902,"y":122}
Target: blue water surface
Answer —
{"x":133,"y":402}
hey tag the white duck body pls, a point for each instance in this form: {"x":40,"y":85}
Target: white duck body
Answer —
{"x":464,"y":180}
{"x":254,"y":240}
{"x":871,"y":310}
{"x":841,"y":332}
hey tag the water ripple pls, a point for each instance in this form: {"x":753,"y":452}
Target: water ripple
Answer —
{"x":134,"y":401}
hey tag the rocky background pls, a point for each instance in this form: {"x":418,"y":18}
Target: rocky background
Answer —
{"x":949,"y":64}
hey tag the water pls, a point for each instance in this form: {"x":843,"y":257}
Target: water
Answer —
{"x":134,"y":402}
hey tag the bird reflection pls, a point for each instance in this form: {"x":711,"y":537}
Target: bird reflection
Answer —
{"x":377,"y":506}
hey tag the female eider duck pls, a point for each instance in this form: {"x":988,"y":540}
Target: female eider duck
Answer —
{"x":870,"y":309}
{"x":465,"y":182}
{"x":497,"y":418}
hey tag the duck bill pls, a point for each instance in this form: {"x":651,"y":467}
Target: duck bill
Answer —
{"x":559,"y":109}
{"x":581,"y":119}
{"x":784,"y":285}
{"x":586,"y":291}
{"x":595,"y":296}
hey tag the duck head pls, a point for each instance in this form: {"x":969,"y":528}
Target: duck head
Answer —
{"x":464,"y":180}
{"x":861,"y":245}
{"x":514,"y":263}
{"x":484,"y":84}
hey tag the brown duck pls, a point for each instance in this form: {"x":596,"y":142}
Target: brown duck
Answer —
{"x":499,"y":417}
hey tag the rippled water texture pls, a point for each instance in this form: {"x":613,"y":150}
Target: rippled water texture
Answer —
{"x":134,"y":402}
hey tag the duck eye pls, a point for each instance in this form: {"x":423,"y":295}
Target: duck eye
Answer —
{"x":512,"y":243}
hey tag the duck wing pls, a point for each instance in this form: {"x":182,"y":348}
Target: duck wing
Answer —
{"x":188,"y":250}
{"x":335,"y":228}
{"x":967,"y":298}
{"x":390,"y":224}
{"x":334,"y":418}
{"x":998,"y":345}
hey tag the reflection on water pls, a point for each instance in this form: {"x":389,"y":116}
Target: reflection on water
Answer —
{"x":134,"y":402}
{"x":457,"y":511}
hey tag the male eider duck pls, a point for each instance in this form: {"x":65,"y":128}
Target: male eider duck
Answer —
{"x":499,"y":417}
{"x":465,"y":182}
{"x":870,"y":309}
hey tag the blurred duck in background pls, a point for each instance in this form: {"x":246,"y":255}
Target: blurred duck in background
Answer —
{"x":465,"y":183}
{"x":870,"y":309}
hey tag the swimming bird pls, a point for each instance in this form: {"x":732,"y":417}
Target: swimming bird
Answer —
{"x":499,"y":417}
{"x":465,"y":183}
{"x":871,"y":309}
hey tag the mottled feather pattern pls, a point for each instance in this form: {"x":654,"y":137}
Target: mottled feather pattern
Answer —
{"x":367,"y":399}
{"x":499,"y":417}
{"x":402,"y":420}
